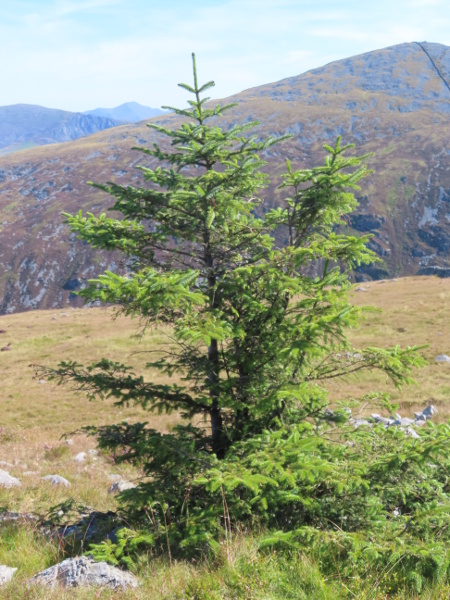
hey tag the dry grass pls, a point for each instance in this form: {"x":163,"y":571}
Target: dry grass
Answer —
{"x":414,"y":311}
{"x":33,"y":414}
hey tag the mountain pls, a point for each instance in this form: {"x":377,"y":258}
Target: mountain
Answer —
{"x":130,"y":112}
{"x":394,"y":102}
{"x":26,"y":125}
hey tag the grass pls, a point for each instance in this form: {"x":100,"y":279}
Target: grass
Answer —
{"x":35,"y":414}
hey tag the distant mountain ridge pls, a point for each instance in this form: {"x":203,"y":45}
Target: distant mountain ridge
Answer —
{"x":27,"y":125}
{"x":130,"y":112}
{"x":24,"y":126}
{"x":394,"y":102}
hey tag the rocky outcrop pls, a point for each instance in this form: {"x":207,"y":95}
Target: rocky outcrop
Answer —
{"x":84,"y":571}
{"x":7,"y":481}
{"x":6,"y":574}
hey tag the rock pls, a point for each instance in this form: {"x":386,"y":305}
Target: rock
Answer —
{"x":84,"y":571}
{"x":115,"y":477}
{"x":3,"y":463}
{"x":8,"y":516}
{"x":361,"y":289}
{"x":385,"y":420}
{"x":7,"y":481}
{"x":430,"y":411}
{"x":366,"y":222}
{"x":56,"y":480}
{"x":69,"y":442}
{"x":80,"y":457}
{"x":6,"y":573}
{"x":403,"y":422}
{"x":361,"y":422}
{"x":412,"y":433}
{"x":93,"y":452}
{"x":93,"y":525}
{"x":121,"y":486}
{"x":439,"y":358}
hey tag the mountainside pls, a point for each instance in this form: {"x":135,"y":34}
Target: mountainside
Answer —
{"x":394,"y":102}
{"x":27,"y":125}
{"x":130,"y":112}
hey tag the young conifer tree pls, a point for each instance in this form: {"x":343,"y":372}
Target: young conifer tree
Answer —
{"x":253,"y":333}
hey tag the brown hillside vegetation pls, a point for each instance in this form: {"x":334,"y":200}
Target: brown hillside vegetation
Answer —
{"x":393,"y":102}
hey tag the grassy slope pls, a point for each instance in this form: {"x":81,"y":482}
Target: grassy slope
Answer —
{"x":33,"y":415}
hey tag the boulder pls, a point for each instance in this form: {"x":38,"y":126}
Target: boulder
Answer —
{"x":442,"y":358}
{"x":9,"y":516}
{"x":412,"y":433}
{"x":360,"y":422}
{"x":6,"y":574}
{"x":7,"y":481}
{"x":430,"y":411}
{"x":121,"y":486}
{"x":84,"y":571}
{"x":56,"y":480}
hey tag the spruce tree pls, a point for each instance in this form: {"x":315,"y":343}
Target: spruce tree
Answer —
{"x":255,"y":328}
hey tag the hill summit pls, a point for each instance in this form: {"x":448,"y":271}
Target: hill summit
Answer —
{"x":130,"y":112}
{"x":394,"y":102}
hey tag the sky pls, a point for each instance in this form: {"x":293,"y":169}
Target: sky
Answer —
{"x":83,"y":54}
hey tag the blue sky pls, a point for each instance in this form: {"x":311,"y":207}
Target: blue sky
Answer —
{"x":82,"y":54}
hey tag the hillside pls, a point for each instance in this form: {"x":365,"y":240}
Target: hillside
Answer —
{"x":394,"y":102}
{"x":130,"y":112}
{"x":411,"y":311}
{"x":25,"y":125}
{"x":415,"y":311}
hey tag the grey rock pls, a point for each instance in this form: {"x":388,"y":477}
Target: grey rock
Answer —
{"x":6,"y":574}
{"x":92,"y":526}
{"x":442,"y":358}
{"x":80,"y":457}
{"x":411,"y":432}
{"x":93,"y":452}
{"x":121,"y":486}
{"x":430,"y":411}
{"x":361,"y":422}
{"x":56,"y":480}
{"x":419,"y":416}
{"x":115,"y":477}
{"x":385,"y":420}
{"x":403,"y":422}
{"x":84,"y":571}
{"x":7,"y":481}
{"x":8,"y":517}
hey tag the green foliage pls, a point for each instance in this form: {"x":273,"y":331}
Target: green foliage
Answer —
{"x":255,"y":331}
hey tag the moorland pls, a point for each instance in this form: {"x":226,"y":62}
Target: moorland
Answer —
{"x":37,"y":413}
